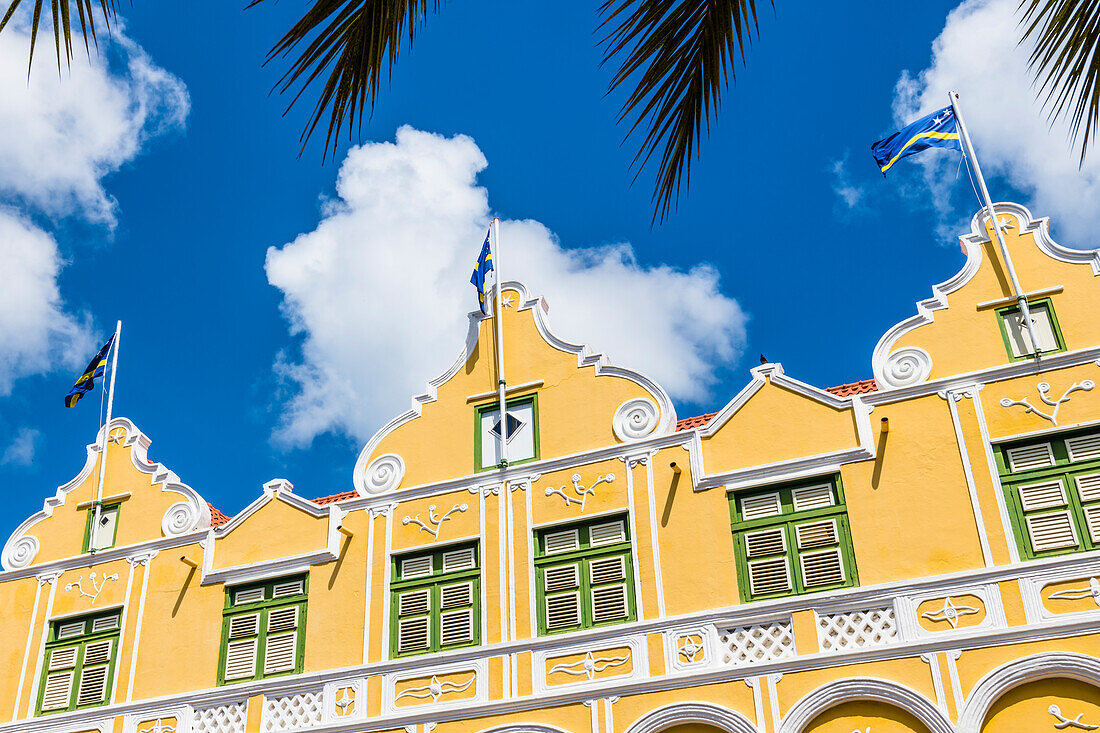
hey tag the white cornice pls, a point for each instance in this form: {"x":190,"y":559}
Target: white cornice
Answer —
{"x":585,"y":358}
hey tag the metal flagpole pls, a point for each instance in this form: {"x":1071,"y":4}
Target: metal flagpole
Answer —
{"x":968,"y":147}
{"x":498,"y":313}
{"x":94,"y":535}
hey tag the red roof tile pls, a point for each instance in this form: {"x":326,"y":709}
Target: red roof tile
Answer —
{"x":332,"y":499}
{"x":689,"y":423}
{"x":217,"y":519}
{"x":847,"y":390}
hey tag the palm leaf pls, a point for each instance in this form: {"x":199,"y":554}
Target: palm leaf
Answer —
{"x":683,"y":54}
{"x":1066,"y":61}
{"x":349,"y":44}
{"x":61,"y":14}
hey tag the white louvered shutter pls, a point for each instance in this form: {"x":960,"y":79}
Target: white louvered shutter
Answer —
{"x":1084,"y":448}
{"x":563,"y":610}
{"x":1051,"y":531}
{"x":67,"y":631}
{"x":246,"y":625}
{"x":812,"y":497}
{"x":98,"y":652}
{"x":416,"y":567}
{"x":107,"y":623}
{"x":293,"y":588}
{"x":1030,"y":456}
{"x":606,"y":534}
{"x":1088,"y":487}
{"x":414,"y":602}
{"x":566,"y":541}
{"x":282,"y":619}
{"x":413,"y":634}
{"x":562,"y":577}
{"x":240,"y":649}
{"x":769,"y":576}
{"x":822,"y":568}
{"x":455,"y":560}
{"x":761,"y":505}
{"x":455,"y":596}
{"x":816,"y":534}
{"x":456,"y":627}
{"x":765,"y":542}
{"x":58,"y":690}
{"x":609,"y":603}
{"x":252,"y":595}
{"x":280,"y":652}
{"x":93,"y":686}
{"x":1045,"y":495}
{"x":607,"y":570}
{"x":1092,"y":522}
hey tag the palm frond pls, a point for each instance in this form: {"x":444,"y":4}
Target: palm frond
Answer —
{"x":350,"y":44}
{"x":683,"y":54}
{"x":1066,"y":61}
{"x":61,"y":14}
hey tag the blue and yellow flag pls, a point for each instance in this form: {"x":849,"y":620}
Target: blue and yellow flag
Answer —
{"x":86,"y":383}
{"x":937,"y":130}
{"x":481,"y":269}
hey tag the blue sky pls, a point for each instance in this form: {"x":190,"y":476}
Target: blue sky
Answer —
{"x":786,"y":221}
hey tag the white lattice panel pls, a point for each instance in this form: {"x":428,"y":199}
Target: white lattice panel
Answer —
{"x":221,"y":719}
{"x":857,"y":629}
{"x":757,"y":643}
{"x":293,"y":711}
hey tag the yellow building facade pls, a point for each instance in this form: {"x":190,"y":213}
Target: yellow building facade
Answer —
{"x":919,"y":552}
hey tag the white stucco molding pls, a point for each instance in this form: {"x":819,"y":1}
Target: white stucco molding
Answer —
{"x":585,"y":358}
{"x":1045,"y":665}
{"x":702,"y":713}
{"x":189,"y":515}
{"x":274,"y":490}
{"x":864,"y":689}
{"x":905,"y":367}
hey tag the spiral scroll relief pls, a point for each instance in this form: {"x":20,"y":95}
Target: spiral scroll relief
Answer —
{"x":20,"y":553}
{"x":635,"y":419}
{"x":181,"y":518}
{"x":907,"y":366}
{"x":384,"y":474}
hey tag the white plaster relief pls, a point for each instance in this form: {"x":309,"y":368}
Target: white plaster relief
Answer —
{"x":434,"y":522}
{"x":1064,"y":722}
{"x":1043,"y":388}
{"x":906,"y":366}
{"x":20,"y":552}
{"x":158,"y":727}
{"x":96,"y":586}
{"x":950,"y":613}
{"x":436,"y":689}
{"x":590,"y":666}
{"x":635,"y":419}
{"x":1092,"y":590}
{"x":382,"y":475}
{"x":581,"y":493}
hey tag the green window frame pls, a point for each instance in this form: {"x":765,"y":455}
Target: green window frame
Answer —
{"x":435,"y":600}
{"x":512,"y":402}
{"x":107,"y":511}
{"x":1039,"y":306}
{"x":584,"y":575}
{"x":792,"y":538}
{"x":78,"y":666}
{"x":263,"y":630}
{"x":1052,"y":486}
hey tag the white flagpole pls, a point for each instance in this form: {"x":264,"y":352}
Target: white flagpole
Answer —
{"x":94,"y":535}
{"x":968,"y":147}
{"x":498,"y":312}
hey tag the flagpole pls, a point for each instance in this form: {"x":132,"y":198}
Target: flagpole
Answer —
{"x":968,"y":148}
{"x":94,"y":535}
{"x":498,"y":314}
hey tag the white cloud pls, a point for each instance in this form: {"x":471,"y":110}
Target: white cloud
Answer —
{"x":59,"y":138}
{"x":380,"y":291}
{"x":20,"y":452}
{"x":977,"y":55}
{"x":849,"y":193}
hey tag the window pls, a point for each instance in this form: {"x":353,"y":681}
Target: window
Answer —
{"x":263,"y":630}
{"x":79,"y":664}
{"x":102,"y":536}
{"x":1053,"y":491}
{"x":584,"y":576}
{"x":523,"y":433}
{"x":792,"y":538}
{"x":1043,"y":322}
{"x":435,"y":601}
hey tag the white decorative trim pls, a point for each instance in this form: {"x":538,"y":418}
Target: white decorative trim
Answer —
{"x":595,"y":655}
{"x":383,"y":475}
{"x":636,"y":419}
{"x":27,"y":648}
{"x":905,"y":367}
{"x":972,"y":246}
{"x":585,"y":358}
{"x":950,"y":613}
{"x":582,"y":492}
{"x":933,"y":662}
{"x":834,"y":693}
{"x":184,"y":716}
{"x":690,"y":655}
{"x":20,"y":550}
{"x":1092,"y":590}
{"x":683,"y":713}
{"x":142,"y":560}
{"x":773,"y":680}
{"x":1031,"y":588}
{"x":658,"y":575}
{"x":1064,"y":722}
{"x":96,"y":586}
{"x":434,"y":522}
{"x":1044,"y":387}
{"x":952,"y":397}
{"x":757,"y":699}
{"x":952,"y":657}
{"x":180,"y":518}
{"x":1044,"y":665}
{"x":994,"y":475}
{"x":435,"y":691}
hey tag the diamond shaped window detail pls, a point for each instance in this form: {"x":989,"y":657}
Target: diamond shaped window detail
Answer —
{"x":514,"y":425}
